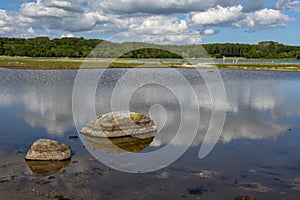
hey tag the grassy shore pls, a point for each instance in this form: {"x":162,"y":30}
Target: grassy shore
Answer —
{"x":262,"y":66}
{"x":67,"y":63}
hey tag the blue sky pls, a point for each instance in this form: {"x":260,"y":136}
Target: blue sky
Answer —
{"x":159,"y":21}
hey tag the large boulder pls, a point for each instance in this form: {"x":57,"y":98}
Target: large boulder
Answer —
{"x":119,"y":124}
{"x":120,"y":132}
{"x":48,"y":150}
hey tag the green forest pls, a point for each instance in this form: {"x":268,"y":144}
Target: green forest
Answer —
{"x":81,"y":48}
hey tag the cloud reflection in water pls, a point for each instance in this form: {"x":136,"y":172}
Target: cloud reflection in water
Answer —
{"x":254,"y":105}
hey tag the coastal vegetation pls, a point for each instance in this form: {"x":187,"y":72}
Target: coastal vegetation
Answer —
{"x":75,"y":53}
{"x":72,"y":63}
{"x":82,"y":48}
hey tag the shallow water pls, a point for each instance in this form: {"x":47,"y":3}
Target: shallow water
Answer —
{"x":257,"y":154}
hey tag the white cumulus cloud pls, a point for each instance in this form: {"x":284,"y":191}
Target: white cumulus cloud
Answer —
{"x":235,"y":17}
{"x":69,"y":35}
{"x":218,"y":15}
{"x":266,"y":18}
{"x":161,"y":21}
{"x":14,"y":24}
{"x":209,"y":32}
{"x":159,"y":29}
{"x":39,"y":10}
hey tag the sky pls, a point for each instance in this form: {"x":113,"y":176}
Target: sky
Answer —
{"x":158,"y":21}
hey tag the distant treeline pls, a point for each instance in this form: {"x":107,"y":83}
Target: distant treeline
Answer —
{"x":81,"y":48}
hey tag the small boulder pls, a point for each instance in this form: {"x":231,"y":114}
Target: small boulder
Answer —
{"x":48,"y":150}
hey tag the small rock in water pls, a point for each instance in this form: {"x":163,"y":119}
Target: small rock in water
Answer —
{"x":256,"y":187}
{"x":48,"y":150}
{"x":55,"y":194}
{"x":241,"y":197}
{"x":206,"y":174}
{"x":163,"y":175}
{"x":42,"y":182}
{"x":74,"y":137}
{"x":97,"y":171}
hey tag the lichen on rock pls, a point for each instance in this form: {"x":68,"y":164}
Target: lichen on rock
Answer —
{"x":120,"y":132}
{"x":119,"y":124}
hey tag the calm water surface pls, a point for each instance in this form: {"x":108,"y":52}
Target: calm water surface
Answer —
{"x":257,"y":154}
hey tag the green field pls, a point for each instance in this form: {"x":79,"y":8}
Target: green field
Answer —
{"x":68,"y":63}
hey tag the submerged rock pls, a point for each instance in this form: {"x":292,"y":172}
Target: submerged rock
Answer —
{"x":241,"y":197}
{"x":48,"y":150}
{"x":119,"y":124}
{"x":296,"y":184}
{"x":206,"y":174}
{"x":73,"y":137}
{"x":256,"y":187}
